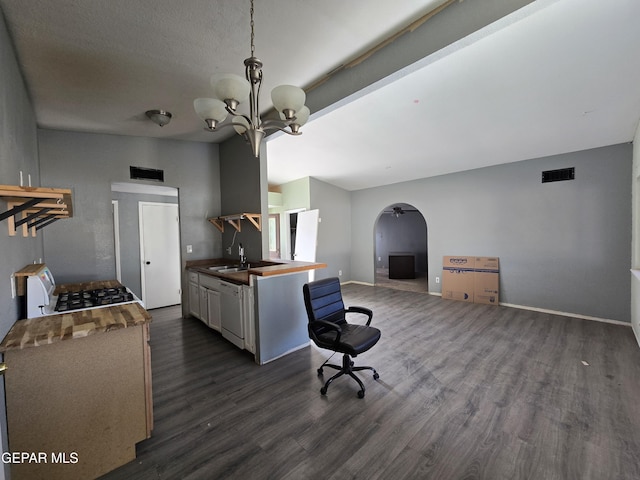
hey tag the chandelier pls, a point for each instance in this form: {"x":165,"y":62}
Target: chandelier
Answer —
{"x":231,"y":90}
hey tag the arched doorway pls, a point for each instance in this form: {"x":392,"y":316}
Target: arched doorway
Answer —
{"x":401,"y":259}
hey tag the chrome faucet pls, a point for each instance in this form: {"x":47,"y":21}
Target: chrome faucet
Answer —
{"x":243,"y":259}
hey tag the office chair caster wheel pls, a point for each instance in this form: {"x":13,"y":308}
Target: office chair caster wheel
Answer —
{"x":320,"y":372}
{"x":376,"y":376}
{"x":360,"y":393}
{"x":323,"y":391}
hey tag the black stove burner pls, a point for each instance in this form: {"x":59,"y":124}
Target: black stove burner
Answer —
{"x":92,"y":298}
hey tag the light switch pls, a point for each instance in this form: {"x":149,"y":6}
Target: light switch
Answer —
{"x":189,"y":248}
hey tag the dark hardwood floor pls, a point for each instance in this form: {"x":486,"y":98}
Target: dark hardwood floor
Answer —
{"x":465,"y":392}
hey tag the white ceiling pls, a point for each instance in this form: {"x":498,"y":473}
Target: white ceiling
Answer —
{"x":556,"y":76}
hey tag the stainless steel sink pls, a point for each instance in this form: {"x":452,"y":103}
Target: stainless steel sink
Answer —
{"x":217,"y":268}
{"x":233,"y":269}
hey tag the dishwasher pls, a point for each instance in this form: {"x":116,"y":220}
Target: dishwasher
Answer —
{"x":231,"y":313}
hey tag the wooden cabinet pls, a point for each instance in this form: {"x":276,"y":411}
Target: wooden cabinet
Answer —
{"x":225,"y":307}
{"x":248,"y":319}
{"x":204,"y":307}
{"x":194,"y":295}
{"x":213,"y":307}
{"x":210,"y":301}
{"x":402,"y":265}
{"x":84,"y":401}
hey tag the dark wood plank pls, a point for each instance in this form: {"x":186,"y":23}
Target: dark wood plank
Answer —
{"x":465,"y":391}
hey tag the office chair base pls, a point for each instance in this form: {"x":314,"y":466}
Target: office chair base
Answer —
{"x":347,"y":368}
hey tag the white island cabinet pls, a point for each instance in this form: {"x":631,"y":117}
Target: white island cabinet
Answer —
{"x":210,"y":301}
{"x":194,"y":294}
{"x":259,"y":309}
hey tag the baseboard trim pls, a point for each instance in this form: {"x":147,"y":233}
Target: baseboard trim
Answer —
{"x":294,"y":349}
{"x":534,"y":309}
{"x":566,"y":314}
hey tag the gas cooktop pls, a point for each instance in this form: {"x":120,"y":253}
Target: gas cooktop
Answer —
{"x":86,"y":299}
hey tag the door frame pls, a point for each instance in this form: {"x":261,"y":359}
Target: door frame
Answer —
{"x":140,"y":223}
{"x":116,"y":234}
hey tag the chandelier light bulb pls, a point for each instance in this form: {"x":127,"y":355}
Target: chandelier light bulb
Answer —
{"x":230,"y":88}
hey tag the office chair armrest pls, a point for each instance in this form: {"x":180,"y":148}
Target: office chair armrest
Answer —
{"x":363,"y":310}
{"x":330,"y":326}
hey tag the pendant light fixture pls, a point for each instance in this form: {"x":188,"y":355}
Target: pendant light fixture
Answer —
{"x":231,"y":90}
{"x":159,"y":117}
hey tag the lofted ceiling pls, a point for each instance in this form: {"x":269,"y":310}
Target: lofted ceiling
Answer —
{"x":553,"y":77}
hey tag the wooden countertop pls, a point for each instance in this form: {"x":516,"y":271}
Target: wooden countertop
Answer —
{"x":49,"y":329}
{"x":264,"y":268}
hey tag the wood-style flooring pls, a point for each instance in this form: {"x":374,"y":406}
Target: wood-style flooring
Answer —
{"x":465,"y":392}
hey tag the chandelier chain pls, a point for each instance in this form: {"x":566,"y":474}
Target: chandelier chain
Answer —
{"x":252,"y":34}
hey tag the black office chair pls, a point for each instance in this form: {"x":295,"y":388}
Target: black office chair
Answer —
{"x":329,"y":329}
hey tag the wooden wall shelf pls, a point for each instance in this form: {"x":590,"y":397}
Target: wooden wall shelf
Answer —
{"x":33,"y":208}
{"x":236,"y":221}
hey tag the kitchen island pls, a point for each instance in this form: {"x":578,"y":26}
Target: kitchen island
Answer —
{"x":78,"y":389}
{"x":273,"y":319}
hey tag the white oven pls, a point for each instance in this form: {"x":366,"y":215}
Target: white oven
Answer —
{"x":40,"y":298}
{"x":42,"y":301}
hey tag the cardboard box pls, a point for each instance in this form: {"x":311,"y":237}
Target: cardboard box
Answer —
{"x":458,"y":278}
{"x":486,"y":280}
{"x":471,"y":279}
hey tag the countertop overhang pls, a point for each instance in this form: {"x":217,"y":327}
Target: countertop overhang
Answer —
{"x":261,"y":268}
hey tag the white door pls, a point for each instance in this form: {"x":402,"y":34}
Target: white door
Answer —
{"x":160,"y":254}
{"x":307,"y":238}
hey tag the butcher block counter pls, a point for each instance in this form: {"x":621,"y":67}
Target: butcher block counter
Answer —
{"x":78,"y":389}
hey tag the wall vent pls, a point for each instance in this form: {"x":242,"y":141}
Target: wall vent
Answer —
{"x":559,"y":175}
{"x":139,"y":173}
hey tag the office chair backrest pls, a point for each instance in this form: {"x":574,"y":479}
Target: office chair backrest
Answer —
{"x":323,"y":301}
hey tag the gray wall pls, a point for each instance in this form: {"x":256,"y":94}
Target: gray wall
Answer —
{"x":82,"y":248}
{"x":242,"y":191}
{"x":129,"y":227}
{"x":406,"y":233}
{"x":334,"y":230}
{"x":18,"y":152}
{"x":563,"y":246}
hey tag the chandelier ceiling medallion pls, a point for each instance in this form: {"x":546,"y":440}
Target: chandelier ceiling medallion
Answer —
{"x":230,"y":90}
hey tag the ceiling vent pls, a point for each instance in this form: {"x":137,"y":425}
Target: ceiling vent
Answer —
{"x":559,"y":175}
{"x":139,"y":173}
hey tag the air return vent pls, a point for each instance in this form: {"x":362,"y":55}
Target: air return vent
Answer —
{"x":559,"y":175}
{"x":139,"y":173}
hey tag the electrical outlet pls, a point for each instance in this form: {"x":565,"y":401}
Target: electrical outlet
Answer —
{"x":339,"y":273}
{"x":437,"y":279}
{"x":379,"y":259}
{"x":189,"y":248}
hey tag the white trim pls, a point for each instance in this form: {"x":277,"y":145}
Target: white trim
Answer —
{"x":116,"y":237}
{"x":294,"y":349}
{"x":357,"y":283}
{"x":141,"y":246}
{"x":566,"y":314}
{"x":126,"y":187}
{"x":534,"y":309}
